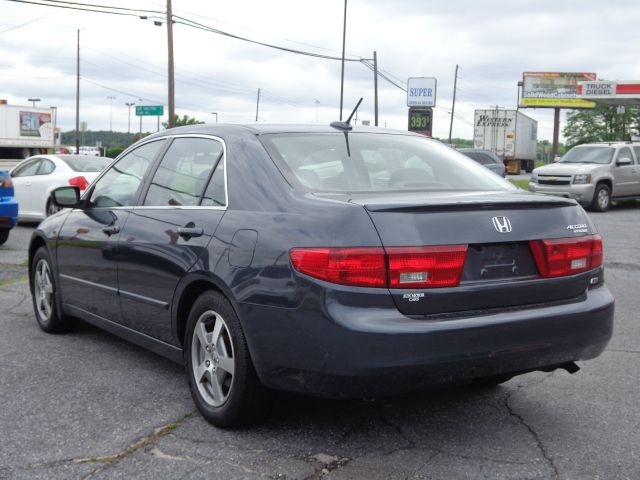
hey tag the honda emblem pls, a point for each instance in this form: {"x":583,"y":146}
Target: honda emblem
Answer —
{"x":501,"y":224}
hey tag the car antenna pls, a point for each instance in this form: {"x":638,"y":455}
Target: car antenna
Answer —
{"x":346,"y":125}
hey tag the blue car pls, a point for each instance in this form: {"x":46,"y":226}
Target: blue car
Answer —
{"x":8,"y":207}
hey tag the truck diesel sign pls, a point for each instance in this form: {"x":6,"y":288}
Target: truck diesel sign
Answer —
{"x":598,"y":89}
{"x":421,"y":92}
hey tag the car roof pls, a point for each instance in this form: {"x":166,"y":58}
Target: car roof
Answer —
{"x":268,"y":128}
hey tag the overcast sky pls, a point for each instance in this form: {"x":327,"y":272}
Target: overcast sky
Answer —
{"x":126,"y":57}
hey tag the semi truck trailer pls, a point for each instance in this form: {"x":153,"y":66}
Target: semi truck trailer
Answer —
{"x":510,"y":134}
{"x":24,"y":131}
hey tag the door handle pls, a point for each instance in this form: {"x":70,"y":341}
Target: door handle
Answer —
{"x":111,"y":229}
{"x":189,"y":231}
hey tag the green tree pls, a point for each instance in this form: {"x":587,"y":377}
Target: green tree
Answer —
{"x":601,"y":124}
{"x":181,"y":122}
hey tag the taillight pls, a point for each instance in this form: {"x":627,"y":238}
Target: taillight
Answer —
{"x":363,"y":267}
{"x":425,"y":267}
{"x":6,"y":182}
{"x":397,"y":267}
{"x":567,"y":256}
{"x":79,"y":182}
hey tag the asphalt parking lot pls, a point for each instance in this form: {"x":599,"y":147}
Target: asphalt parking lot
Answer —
{"x":89,"y":405}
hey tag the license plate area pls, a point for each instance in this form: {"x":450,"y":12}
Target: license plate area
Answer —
{"x":498,"y":261}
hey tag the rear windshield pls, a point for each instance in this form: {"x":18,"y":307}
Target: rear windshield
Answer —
{"x":365,"y":162}
{"x":82,"y":163}
{"x":600,"y":155}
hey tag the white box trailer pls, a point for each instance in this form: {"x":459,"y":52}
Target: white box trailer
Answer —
{"x":509,"y":134}
{"x":25,"y":131}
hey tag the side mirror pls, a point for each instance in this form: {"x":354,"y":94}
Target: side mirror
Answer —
{"x":66,"y":197}
{"x":623,"y":161}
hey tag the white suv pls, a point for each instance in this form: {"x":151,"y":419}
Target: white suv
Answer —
{"x":593,"y":174}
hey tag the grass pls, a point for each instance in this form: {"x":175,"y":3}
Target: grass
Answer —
{"x":523,"y":184}
{"x":11,"y":281}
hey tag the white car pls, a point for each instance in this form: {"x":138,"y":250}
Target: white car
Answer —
{"x":36,"y":177}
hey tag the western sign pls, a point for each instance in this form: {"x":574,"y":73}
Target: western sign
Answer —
{"x":421,"y":92}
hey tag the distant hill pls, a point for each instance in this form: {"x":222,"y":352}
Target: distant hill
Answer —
{"x":108,"y":139}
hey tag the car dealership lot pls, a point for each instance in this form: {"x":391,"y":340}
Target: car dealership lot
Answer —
{"x":88,"y":404}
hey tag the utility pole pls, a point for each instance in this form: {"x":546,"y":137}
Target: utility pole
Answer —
{"x":375,"y":86}
{"x":344,"y":37}
{"x":556,"y":131}
{"x":78,"y":96}
{"x":129,"y":105}
{"x":453,"y":105}
{"x":172,"y":107}
{"x":257,"y":105}
{"x":317,"y":102}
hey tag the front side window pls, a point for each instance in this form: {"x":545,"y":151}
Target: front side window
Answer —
{"x":184,"y":172}
{"x":28,"y":169}
{"x":367,"y":162}
{"x":119,"y":187}
{"x":625,"y":152}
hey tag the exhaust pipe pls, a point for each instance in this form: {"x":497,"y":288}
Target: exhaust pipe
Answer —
{"x":569,"y":367}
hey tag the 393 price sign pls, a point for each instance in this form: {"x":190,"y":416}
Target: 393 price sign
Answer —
{"x":421,"y":120}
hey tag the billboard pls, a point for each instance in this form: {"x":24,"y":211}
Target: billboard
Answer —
{"x":35,"y":124}
{"x":554,"y":89}
{"x":421,"y":92}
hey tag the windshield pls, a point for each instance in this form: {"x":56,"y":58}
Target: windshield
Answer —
{"x":365,"y":162}
{"x":601,"y":155}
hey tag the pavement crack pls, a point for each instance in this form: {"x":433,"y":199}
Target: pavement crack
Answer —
{"x":326,"y":464}
{"x":109,"y":460}
{"x":534,"y":434}
{"x":621,"y":350}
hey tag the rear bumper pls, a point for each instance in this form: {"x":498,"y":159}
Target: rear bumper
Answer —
{"x":8,"y":212}
{"x":326,"y":348}
{"x":583,"y":194}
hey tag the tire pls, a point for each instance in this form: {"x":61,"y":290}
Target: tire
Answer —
{"x":25,"y":153}
{"x":492,"y":381}
{"x":4,"y":235}
{"x":601,"y":198}
{"x":51,"y":208}
{"x":43,"y":294}
{"x":222,"y":379}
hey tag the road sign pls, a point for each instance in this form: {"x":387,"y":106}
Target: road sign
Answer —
{"x":421,"y":120}
{"x":149,"y":110}
{"x":421,"y":92}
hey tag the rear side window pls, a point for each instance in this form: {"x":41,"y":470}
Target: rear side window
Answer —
{"x":625,"y":152}
{"x":120,"y":185}
{"x":484,"y":159}
{"x":365,"y":162}
{"x":86,"y":164}
{"x":184,"y":172}
{"x":46,"y":167}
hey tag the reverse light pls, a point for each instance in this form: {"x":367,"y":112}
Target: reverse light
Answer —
{"x":395,"y":267}
{"x":79,"y":182}
{"x":567,"y":256}
{"x":425,"y":267}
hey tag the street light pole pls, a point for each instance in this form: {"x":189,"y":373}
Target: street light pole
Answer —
{"x":216,"y":114}
{"x":111,"y":99}
{"x":33,"y":101}
{"x":317,"y":102}
{"x":129,"y":105}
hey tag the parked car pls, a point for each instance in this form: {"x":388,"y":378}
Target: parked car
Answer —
{"x":36,"y":177}
{"x":8,"y":207}
{"x":91,"y":151}
{"x":593,"y":174}
{"x":324,"y":260}
{"x":485,"y":158}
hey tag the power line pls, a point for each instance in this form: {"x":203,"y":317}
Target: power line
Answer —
{"x":26,"y":23}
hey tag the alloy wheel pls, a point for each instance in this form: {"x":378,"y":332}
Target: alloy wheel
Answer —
{"x":603,"y":198}
{"x":212,"y":358}
{"x":43,"y":290}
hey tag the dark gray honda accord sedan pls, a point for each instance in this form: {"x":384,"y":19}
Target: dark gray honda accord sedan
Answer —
{"x":322,"y":260}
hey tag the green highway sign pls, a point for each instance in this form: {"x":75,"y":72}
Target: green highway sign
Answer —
{"x":149,"y":110}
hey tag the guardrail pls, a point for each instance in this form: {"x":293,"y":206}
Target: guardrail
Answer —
{"x":8,"y":164}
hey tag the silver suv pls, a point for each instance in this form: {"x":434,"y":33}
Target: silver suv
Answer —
{"x":593,"y":174}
